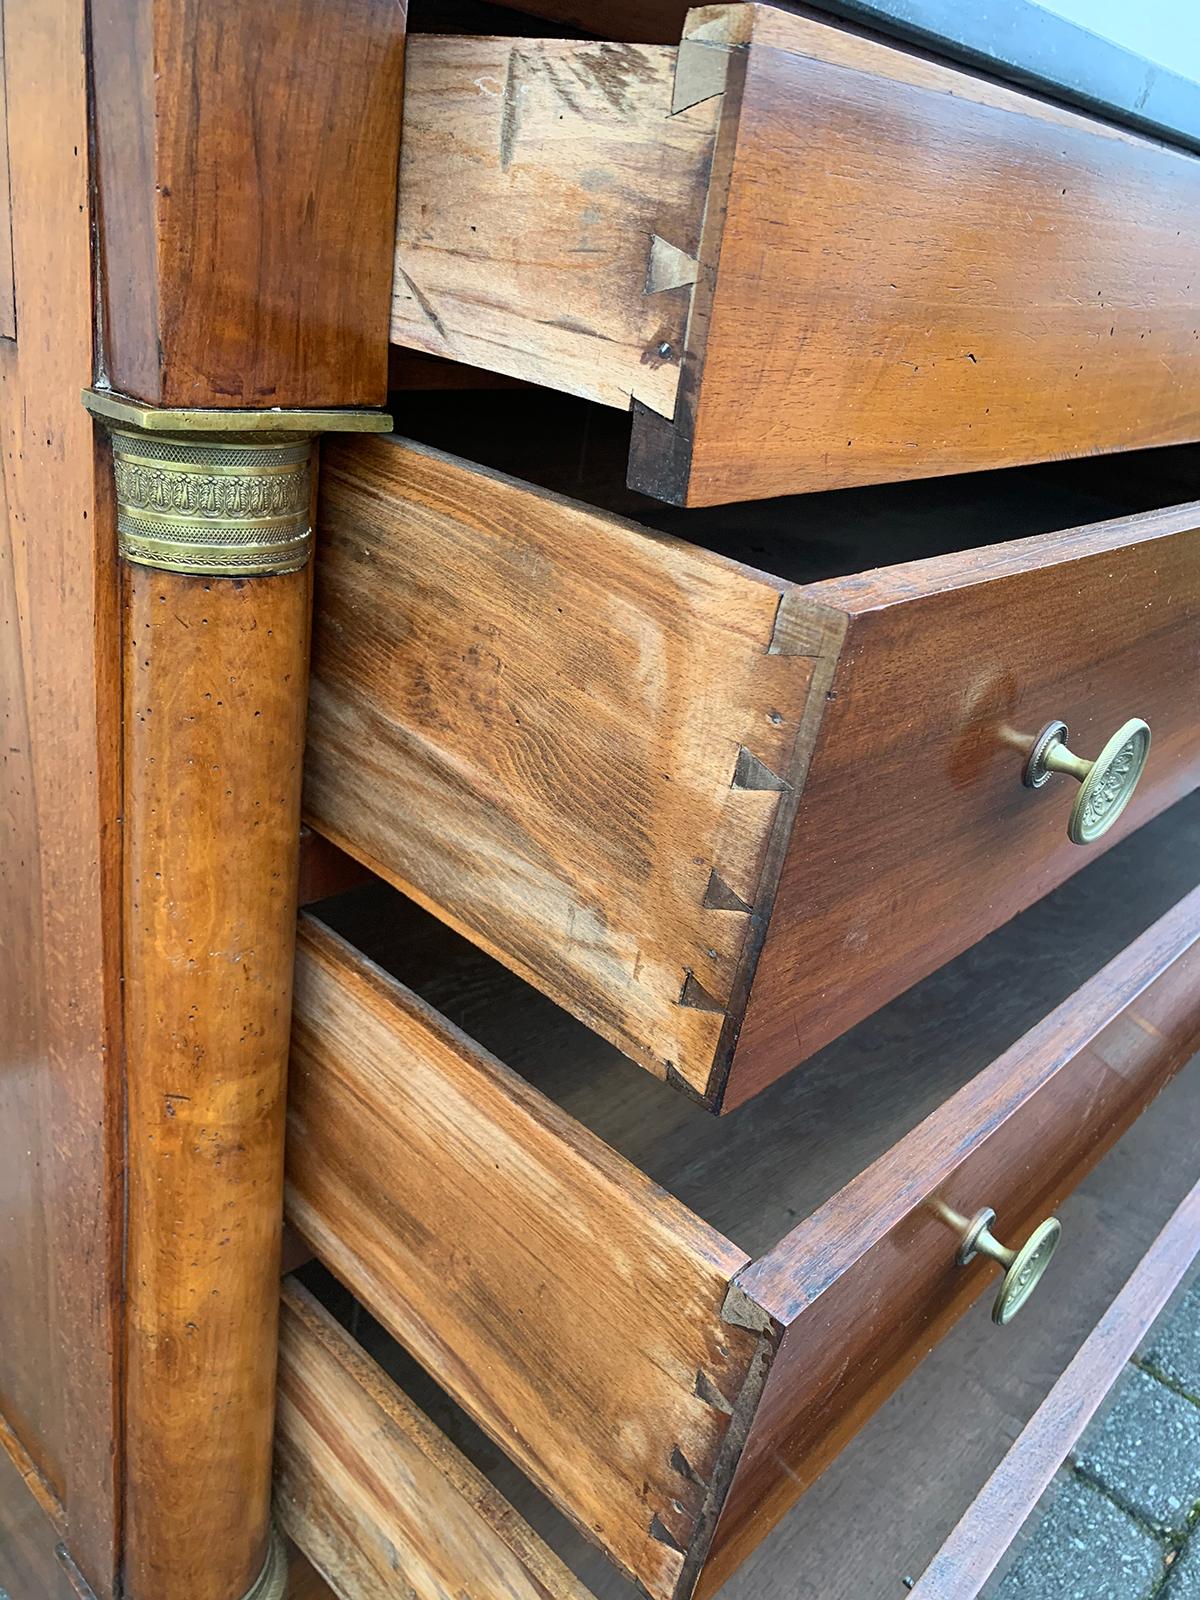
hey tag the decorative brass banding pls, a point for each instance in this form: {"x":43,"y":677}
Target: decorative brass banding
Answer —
{"x":219,"y":494}
{"x":123,"y":411}
{"x":271,"y":1583}
{"x":227,"y":506}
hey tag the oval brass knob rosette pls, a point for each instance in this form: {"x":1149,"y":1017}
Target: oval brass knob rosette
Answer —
{"x":1023,"y":1268}
{"x":1106,"y":784}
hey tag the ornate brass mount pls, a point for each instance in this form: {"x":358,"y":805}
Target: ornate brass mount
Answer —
{"x":1106,"y":784}
{"x":1023,"y":1268}
{"x":223,"y":494}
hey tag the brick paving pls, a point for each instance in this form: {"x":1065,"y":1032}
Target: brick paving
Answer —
{"x":1120,"y":1520}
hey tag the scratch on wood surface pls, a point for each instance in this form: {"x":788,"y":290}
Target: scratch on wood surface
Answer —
{"x":510,"y":115}
{"x":425,"y":306}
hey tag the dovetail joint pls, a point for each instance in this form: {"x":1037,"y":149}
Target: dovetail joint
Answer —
{"x":697,"y":997}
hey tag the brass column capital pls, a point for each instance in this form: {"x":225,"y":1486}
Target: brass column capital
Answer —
{"x":224,"y":494}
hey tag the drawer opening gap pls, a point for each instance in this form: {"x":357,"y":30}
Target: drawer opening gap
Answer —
{"x":756,"y":1172}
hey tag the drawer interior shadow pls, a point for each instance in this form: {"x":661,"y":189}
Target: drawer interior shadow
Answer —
{"x":755,"y":1173}
{"x":924,"y":1455}
{"x":578,"y":449}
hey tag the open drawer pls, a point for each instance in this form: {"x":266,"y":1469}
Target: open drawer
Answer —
{"x":671,"y":1391}
{"x":375,"y":1496}
{"x":808,"y":258}
{"x":720,"y":813}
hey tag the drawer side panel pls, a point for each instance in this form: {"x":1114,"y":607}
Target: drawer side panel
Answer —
{"x":570,"y":739}
{"x":549,"y":214}
{"x":375,"y":1495}
{"x":568,"y":1304}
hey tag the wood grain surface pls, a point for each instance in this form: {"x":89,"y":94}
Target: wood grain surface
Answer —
{"x":246,"y":163}
{"x":994,"y":1518}
{"x":29,"y":1567}
{"x":376,"y":1496}
{"x":572,"y":1308}
{"x":632,"y":764}
{"x":868,"y":1284}
{"x":60,"y":1099}
{"x":589,"y":726}
{"x":919,"y":271}
{"x":8,"y":294}
{"x":914,"y":835}
{"x":871,"y":1270}
{"x":549,"y":212}
{"x":214,"y":737}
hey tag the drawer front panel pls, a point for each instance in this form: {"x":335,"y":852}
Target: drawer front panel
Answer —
{"x":868,"y":1284}
{"x":375,"y":1495}
{"x":914,"y":835}
{"x":920,"y":272}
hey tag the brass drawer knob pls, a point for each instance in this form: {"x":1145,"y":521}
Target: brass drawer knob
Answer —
{"x":1023,"y":1268}
{"x":1106,"y":784}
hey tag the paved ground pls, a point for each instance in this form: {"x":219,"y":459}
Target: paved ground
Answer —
{"x":1120,"y":1521}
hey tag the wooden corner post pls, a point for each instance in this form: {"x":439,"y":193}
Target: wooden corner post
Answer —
{"x":245,"y":160}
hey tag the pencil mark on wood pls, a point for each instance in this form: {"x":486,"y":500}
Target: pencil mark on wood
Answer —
{"x":430,"y":314}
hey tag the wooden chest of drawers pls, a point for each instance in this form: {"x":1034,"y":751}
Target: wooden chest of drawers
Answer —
{"x":610,"y":778}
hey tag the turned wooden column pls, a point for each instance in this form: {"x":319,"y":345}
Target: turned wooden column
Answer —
{"x":215,"y":539}
{"x":244,"y":163}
